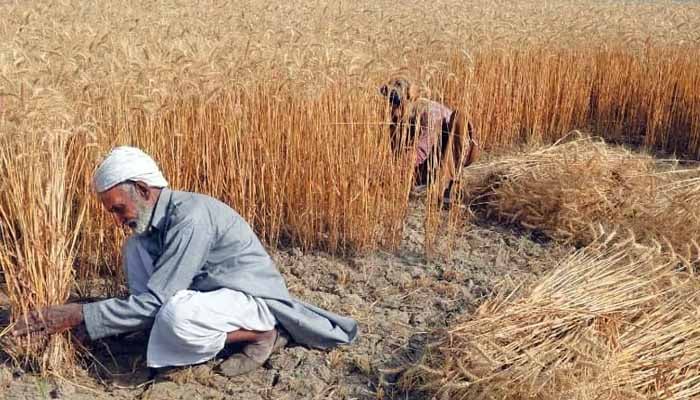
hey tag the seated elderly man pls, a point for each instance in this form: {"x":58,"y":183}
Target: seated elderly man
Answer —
{"x":198,"y":276}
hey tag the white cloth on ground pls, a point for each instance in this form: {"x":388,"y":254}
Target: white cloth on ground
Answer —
{"x":191,"y":326}
{"x":127,"y":163}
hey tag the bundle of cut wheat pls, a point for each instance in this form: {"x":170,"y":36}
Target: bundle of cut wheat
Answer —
{"x":616,"y":322}
{"x":574,"y":190}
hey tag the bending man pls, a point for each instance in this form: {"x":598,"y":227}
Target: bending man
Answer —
{"x":443,"y":141}
{"x":197,"y":275}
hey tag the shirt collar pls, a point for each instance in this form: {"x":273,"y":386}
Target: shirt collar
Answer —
{"x":158,"y":217}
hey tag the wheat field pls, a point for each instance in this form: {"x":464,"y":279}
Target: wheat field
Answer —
{"x":274,"y":109}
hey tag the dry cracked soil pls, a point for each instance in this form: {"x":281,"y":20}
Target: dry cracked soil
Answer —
{"x":399,"y":298}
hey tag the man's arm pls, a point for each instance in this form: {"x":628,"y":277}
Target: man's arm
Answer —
{"x":50,"y":320}
{"x":186,"y":248}
{"x":114,"y":316}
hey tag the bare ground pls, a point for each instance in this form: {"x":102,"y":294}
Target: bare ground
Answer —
{"x":398,"y":298}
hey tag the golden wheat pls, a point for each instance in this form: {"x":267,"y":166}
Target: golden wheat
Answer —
{"x":614,"y":321}
{"x":574,"y":190}
{"x":273,"y":108}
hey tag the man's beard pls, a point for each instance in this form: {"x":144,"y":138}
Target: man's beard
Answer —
{"x":139,"y":225}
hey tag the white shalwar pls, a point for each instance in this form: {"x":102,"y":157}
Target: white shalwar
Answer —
{"x":191,"y":326}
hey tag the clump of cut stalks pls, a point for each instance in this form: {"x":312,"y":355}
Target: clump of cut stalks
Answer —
{"x":615,"y":320}
{"x":573,"y":190}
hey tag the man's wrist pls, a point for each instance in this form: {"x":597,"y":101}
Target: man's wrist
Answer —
{"x":78,"y":318}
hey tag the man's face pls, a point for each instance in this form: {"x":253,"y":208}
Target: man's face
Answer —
{"x":128,"y":207}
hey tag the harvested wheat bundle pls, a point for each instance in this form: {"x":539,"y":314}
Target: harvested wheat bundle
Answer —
{"x":573,"y":190}
{"x":614,"y":322}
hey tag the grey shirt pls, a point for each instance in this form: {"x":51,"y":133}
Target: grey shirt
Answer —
{"x":200,"y":243}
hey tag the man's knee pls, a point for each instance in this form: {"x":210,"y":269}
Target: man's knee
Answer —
{"x":180,"y":333}
{"x":177,"y":314}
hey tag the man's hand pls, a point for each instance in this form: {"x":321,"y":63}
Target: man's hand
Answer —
{"x":50,"y":320}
